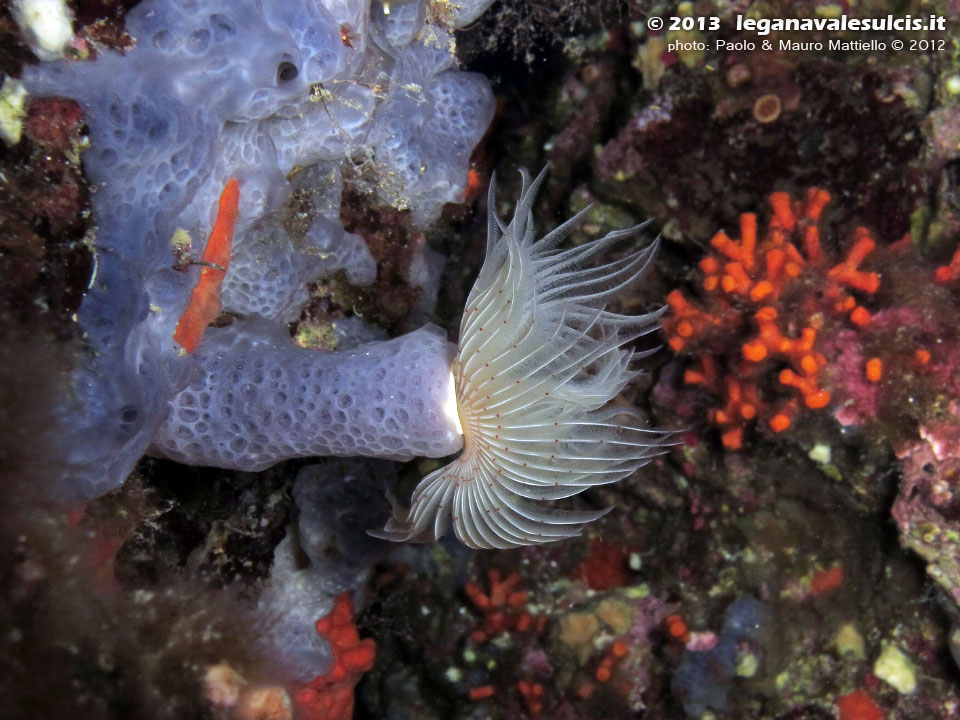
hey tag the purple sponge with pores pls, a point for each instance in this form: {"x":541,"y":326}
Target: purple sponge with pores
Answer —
{"x":258,"y":401}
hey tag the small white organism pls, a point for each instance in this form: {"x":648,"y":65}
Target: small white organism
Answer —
{"x":539,"y":361}
{"x":47,"y":26}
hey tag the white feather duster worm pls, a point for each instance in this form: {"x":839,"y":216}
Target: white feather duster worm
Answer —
{"x":538,"y":362}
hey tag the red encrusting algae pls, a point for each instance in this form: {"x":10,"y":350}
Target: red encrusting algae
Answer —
{"x":745,"y":283}
{"x":605,"y":567}
{"x":824,"y":581}
{"x":858,"y":706}
{"x":949,"y":272}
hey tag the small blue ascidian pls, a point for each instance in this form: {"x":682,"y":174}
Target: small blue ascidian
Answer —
{"x":705,"y":678}
{"x":277,"y":96}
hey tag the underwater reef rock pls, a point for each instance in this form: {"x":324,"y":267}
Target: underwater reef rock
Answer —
{"x":730,"y":156}
{"x":927,"y":508}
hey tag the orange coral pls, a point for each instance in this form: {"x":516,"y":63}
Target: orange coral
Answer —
{"x":745,"y":281}
{"x":617,"y":652}
{"x":204,"y":305}
{"x":482,"y":693}
{"x":949,"y":272}
{"x":330,"y":696}
{"x":532,"y":693}
{"x":677,"y":628}
{"x":501,"y":613}
{"x":499,"y":607}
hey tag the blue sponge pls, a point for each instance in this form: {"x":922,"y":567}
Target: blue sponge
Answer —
{"x":705,"y":678}
{"x":250,"y":90}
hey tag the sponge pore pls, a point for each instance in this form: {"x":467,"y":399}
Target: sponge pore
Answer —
{"x":400,"y":25}
{"x":268,"y":272}
{"x":425,"y":135}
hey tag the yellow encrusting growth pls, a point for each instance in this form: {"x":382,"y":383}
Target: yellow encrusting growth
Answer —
{"x":539,"y":361}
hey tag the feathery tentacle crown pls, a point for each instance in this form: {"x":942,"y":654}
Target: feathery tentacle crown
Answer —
{"x":539,"y":360}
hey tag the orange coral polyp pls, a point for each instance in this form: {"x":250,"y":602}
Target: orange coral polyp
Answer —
{"x":748,"y":239}
{"x":789,"y":377}
{"x":722,"y":242}
{"x":736,"y":280}
{"x":709,"y":265}
{"x":754,"y":351}
{"x":693,"y":377}
{"x":859,"y":316}
{"x":761,"y":290}
{"x":677,"y":302}
{"x":774,"y":260}
{"x":676,"y":627}
{"x":811,"y":243}
{"x":779,"y":423}
{"x":817,"y":399}
{"x":617,"y":652}
{"x":817,"y":200}
{"x":732,"y":439}
{"x":847,"y":303}
{"x":783,"y":218}
{"x":766,"y":314}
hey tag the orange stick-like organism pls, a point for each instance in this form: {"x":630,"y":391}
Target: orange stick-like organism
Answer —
{"x":204,"y":305}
